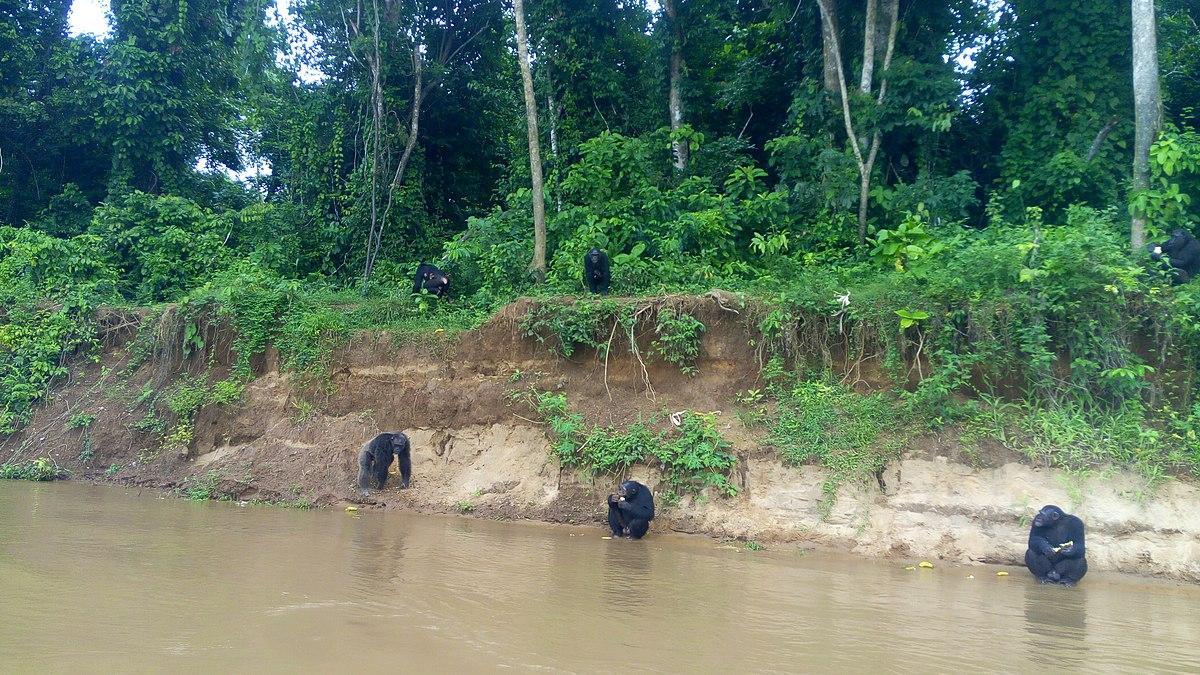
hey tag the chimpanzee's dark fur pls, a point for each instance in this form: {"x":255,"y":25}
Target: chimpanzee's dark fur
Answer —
{"x":432,"y":279}
{"x":630,"y":510}
{"x":1056,"y":551}
{"x":376,"y":456}
{"x":1182,"y":250}
{"x":596,"y":272}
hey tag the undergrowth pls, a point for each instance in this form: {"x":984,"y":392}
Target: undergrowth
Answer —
{"x":852,"y":435}
{"x":691,"y":457}
{"x":40,"y":469}
{"x":203,"y":487}
{"x":568,"y":326}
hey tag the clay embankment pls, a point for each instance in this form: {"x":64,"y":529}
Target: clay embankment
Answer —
{"x":474,"y":450}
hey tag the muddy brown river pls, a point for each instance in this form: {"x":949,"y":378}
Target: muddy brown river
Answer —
{"x":101,"y":579}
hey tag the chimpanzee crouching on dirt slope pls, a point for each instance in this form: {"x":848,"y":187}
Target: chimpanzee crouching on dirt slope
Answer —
{"x":376,"y":456}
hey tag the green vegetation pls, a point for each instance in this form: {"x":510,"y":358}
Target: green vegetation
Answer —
{"x":203,"y":487}
{"x":291,"y":503}
{"x":80,"y":421}
{"x":853,"y":435}
{"x":692,"y":457}
{"x":948,"y":253}
{"x":40,"y":469}
{"x":678,"y":340}
{"x":596,"y":324}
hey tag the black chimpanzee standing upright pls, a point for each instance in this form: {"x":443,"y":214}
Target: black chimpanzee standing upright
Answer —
{"x":431,"y":279}
{"x":1183,"y":252}
{"x":595,"y":271}
{"x":630,"y":510}
{"x":376,"y":456}
{"x":1056,"y":553}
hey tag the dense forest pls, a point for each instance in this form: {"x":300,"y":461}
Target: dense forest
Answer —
{"x":954,"y":183}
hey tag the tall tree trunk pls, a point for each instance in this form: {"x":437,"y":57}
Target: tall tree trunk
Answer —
{"x":538,"y":264}
{"x":865,"y":164}
{"x":378,"y":116}
{"x":829,"y":44}
{"x":1147,"y":106}
{"x":674,"y":96}
{"x":870,"y":29}
{"x":552,"y":111}
{"x":864,"y":186}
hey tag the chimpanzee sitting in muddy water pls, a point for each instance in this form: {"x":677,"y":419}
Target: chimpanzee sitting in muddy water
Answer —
{"x":1056,"y":553}
{"x":630,"y":510}
{"x":376,"y":456}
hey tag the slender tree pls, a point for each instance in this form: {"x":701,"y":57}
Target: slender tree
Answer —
{"x":674,"y":96}
{"x":829,"y":44}
{"x":1147,"y":107}
{"x":870,"y":30}
{"x":435,"y":27}
{"x":538,"y":265}
{"x":866,"y":163}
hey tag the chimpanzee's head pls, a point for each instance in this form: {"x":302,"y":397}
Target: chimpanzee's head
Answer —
{"x":1179,"y":239}
{"x":594,"y":255}
{"x":1049,"y":515}
{"x":397,"y":440}
{"x":628,"y":489}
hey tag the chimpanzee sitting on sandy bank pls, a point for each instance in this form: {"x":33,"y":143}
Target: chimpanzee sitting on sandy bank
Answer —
{"x":630,"y":510}
{"x":376,"y":456}
{"x":1056,"y":551}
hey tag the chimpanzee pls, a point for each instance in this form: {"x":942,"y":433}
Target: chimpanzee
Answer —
{"x":630,"y":510}
{"x":376,"y":456}
{"x":1056,"y":550}
{"x":595,"y":271}
{"x":1182,"y":250}
{"x":431,"y":279}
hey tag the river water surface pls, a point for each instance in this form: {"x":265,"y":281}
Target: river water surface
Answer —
{"x":100,"y":579}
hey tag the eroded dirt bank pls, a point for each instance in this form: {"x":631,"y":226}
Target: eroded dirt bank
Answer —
{"x":476,"y":451}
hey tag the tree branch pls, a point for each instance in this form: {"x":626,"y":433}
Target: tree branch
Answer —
{"x":1100,"y":136}
{"x":870,"y":30}
{"x":827,"y":16}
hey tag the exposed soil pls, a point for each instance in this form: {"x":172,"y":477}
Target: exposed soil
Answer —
{"x":476,"y":451}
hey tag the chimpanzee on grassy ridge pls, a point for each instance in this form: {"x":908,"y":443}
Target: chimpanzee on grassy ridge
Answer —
{"x":595,"y":271}
{"x":376,"y":456}
{"x":1056,"y":551}
{"x":1183,"y":252}
{"x":431,"y":279}
{"x":630,"y":510}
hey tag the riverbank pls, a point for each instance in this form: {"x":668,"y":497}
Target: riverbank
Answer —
{"x":479,"y":450}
